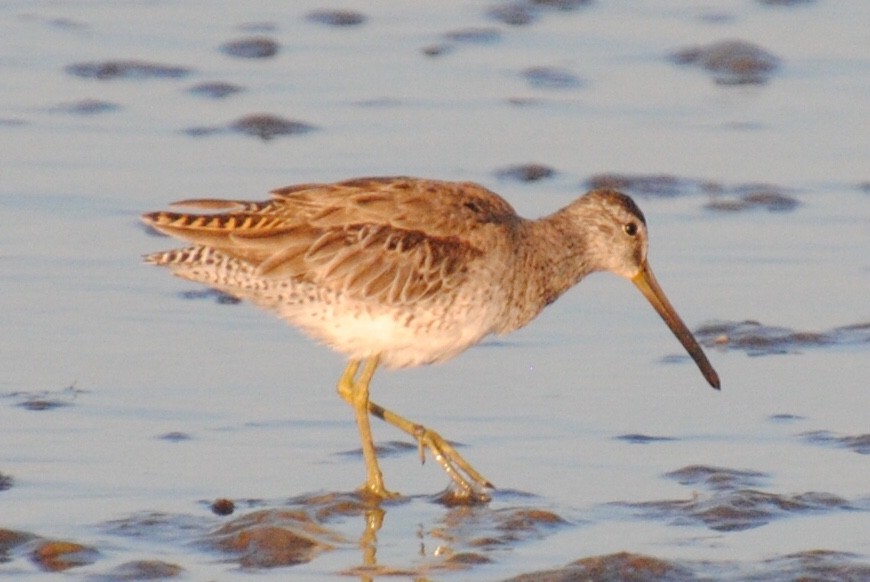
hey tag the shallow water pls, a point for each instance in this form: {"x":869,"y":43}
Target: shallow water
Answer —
{"x":127,"y":407}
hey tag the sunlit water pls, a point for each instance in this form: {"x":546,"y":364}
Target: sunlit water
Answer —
{"x":85,"y":325}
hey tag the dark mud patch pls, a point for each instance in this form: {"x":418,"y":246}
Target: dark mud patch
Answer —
{"x":9,"y":122}
{"x":525,"y":172}
{"x":271,"y":538}
{"x":731,"y":62}
{"x":858,"y":443}
{"x":108,"y":70}
{"x":739,"y":509}
{"x":480,"y":35}
{"x":212,"y":294}
{"x":716,"y":478}
{"x":175,"y":436}
{"x":757,"y":339}
{"x":11,"y":539}
{"x":60,"y":555}
{"x":141,"y":570}
{"x":731,"y":502}
{"x":41,"y":400}
{"x":39,"y":404}
{"x":814,"y":565}
{"x":547,"y":77}
{"x":6,"y":481}
{"x":215,"y":90}
{"x":452,"y":38}
{"x":262,"y":125}
{"x":630,"y":567}
{"x":517,"y":524}
{"x":256,"y":47}
{"x":436,"y":50}
{"x":622,"y":566}
{"x":524,"y":12}
{"x":642,"y":439}
{"x":86,"y":107}
{"x":268,"y":127}
{"x":766,"y":199}
{"x":514,"y":13}
{"x":339,"y":18}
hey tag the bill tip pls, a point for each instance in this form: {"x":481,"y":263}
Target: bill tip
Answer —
{"x":714,"y":382}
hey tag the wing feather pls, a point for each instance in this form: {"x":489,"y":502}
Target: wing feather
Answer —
{"x":392,"y":240}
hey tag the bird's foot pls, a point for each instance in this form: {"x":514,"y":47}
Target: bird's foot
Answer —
{"x":376,"y":491}
{"x":469,"y":485}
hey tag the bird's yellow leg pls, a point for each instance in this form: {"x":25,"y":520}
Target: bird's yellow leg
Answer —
{"x":470,"y":485}
{"x":355,"y":391}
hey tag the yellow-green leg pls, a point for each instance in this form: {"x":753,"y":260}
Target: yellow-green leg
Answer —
{"x":355,"y":391}
{"x":471,"y":485}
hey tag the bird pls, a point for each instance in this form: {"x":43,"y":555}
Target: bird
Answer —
{"x":398,"y":272}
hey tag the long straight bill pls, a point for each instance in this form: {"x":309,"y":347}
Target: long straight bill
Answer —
{"x":646,"y":282}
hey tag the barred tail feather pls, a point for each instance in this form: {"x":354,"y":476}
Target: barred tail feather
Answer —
{"x":205,"y":265}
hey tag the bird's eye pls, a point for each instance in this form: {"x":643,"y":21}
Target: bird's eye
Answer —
{"x":630,"y":228}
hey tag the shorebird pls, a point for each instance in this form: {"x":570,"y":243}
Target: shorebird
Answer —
{"x":400,"y":272}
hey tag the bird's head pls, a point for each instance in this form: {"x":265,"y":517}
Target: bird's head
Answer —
{"x":615,"y":240}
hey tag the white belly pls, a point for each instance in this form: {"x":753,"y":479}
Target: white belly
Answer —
{"x":403,"y":337}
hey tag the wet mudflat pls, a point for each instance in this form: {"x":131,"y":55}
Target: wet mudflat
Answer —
{"x":155,"y":430}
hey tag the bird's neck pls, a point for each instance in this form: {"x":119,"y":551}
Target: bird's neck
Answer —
{"x":548,"y":263}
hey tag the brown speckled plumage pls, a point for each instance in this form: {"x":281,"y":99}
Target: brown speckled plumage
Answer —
{"x":406,"y":271}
